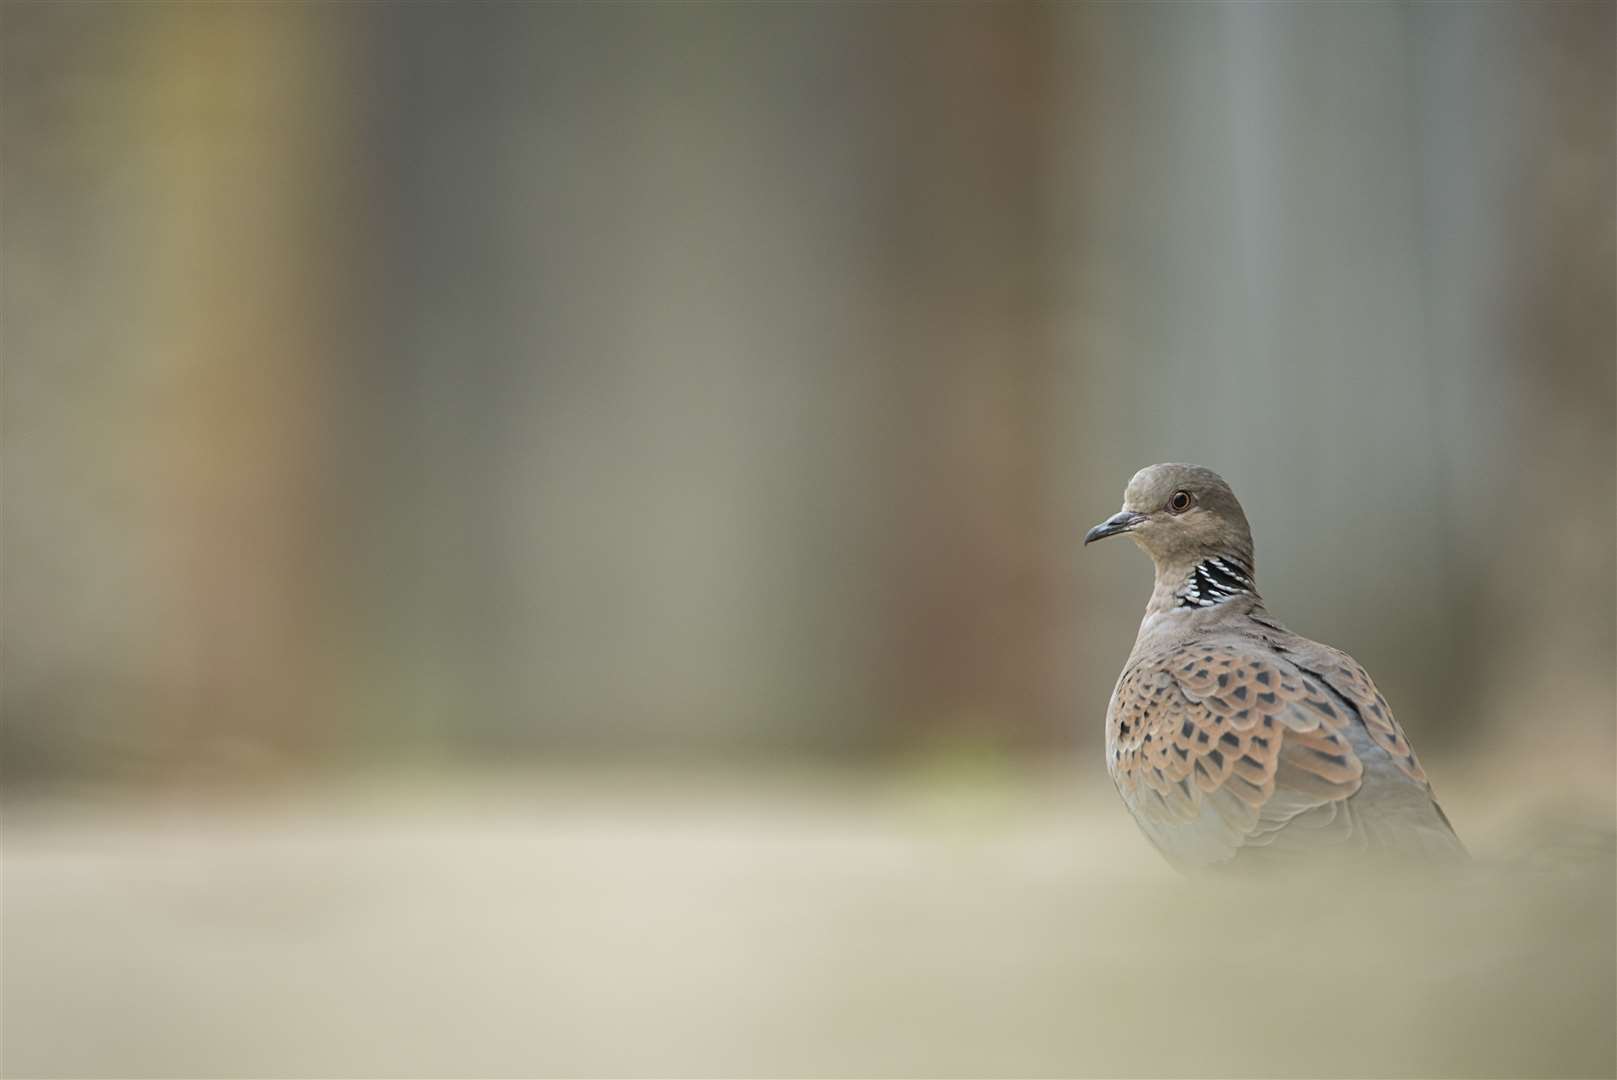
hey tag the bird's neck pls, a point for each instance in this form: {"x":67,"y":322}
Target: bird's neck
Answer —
{"x":1200,"y":584}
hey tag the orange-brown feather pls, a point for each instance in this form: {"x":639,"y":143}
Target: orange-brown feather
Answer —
{"x":1220,"y":726}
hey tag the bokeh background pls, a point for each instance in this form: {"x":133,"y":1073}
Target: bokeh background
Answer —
{"x":545,"y":538}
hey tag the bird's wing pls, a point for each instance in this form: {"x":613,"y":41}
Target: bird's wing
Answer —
{"x":1400,"y":811}
{"x":1221,"y":747}
{"x":1348,"y":678}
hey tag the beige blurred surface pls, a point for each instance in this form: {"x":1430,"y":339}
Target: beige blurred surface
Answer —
{"x":939,"y":921}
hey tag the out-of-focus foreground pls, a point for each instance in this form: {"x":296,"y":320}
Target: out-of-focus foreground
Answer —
{"x":930,"y":924}
{"x":546,"y":537}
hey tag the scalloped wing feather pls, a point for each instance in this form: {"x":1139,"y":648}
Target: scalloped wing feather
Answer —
{"x":1347,"y":677}
{"x":1219,"y":747}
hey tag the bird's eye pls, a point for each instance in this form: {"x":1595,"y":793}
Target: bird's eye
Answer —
{"x":1180,"y":502}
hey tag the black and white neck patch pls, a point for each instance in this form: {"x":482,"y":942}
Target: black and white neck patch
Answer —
{"x":1215,"y":581}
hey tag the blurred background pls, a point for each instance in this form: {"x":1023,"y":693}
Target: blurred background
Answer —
{"x":545,"y":538}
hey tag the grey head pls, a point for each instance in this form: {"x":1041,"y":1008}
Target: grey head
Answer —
{"x":1180,"y":515}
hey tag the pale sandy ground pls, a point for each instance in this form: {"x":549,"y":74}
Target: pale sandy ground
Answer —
{"x":585,"y":922}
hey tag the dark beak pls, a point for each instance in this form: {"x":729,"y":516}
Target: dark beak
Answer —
{"x":1120,"y":522}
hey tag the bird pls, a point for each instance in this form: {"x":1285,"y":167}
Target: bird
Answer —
{"x":1233,"y":741}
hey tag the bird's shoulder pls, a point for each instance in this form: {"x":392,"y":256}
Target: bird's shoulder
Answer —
{"x":1349,"y":680}
{"x":1212,"y":741}
{"x":1247,"y":736}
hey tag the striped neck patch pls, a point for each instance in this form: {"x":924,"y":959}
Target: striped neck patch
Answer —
{"x":1215,"y":581}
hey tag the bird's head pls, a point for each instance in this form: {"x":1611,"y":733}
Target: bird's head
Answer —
{"x":1180,"y":515}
